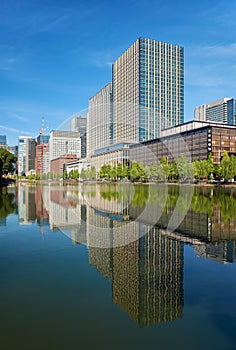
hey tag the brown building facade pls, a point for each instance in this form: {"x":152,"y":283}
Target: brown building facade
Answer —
{"x":57,"y":165}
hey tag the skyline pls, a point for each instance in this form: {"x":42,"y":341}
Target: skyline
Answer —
{"x":56,"y":55}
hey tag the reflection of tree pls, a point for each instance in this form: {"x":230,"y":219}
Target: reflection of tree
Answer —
{"x":7,"y":203}
{"x":201,"y":200}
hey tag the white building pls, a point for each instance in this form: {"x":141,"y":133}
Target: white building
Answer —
{"x":64,"y":142}
{"x":22,"y":153}
{"x":99,"y":126}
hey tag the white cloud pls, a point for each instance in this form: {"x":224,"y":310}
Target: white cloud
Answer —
{"x":14,"y":130}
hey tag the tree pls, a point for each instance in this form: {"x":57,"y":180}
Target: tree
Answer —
{"x":93,"y":173}
{"x":154,"y":171}
{"x":7,"y":162}
{"x":134,"y":172}
{"x":226,"y":167}
{"x":183,"y":167}
{"x":113,"y":173}
{"x":119,"y":171}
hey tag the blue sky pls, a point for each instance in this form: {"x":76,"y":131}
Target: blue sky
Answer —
{"x":56,"y":54}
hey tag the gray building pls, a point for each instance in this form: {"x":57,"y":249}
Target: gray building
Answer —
{"x":219,"y":111}
{"x":148,"y":90}
{"x":3,"y":140}
{"x":79,"y":124}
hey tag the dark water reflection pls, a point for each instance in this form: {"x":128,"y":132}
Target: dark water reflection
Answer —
{"x":144,"y":242}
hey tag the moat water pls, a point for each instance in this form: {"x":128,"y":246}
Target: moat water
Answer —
{"x":117,"y":267}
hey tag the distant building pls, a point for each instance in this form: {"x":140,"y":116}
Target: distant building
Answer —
{"x":220,"y":111}
{"x":43,"y":139}
{"x":42,"y":159}
{"x":3,"y":141}
{"x":22,"y":154}
{"x":57,"y":164}
{"x":64,"y":142}
{"x":79,"y":124}
{"x":30,"y":156}
{"x":77,"y":164}
{"x":99,"y":129}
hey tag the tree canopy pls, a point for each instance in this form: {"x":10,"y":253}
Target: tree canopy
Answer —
{"x":7,"y":161}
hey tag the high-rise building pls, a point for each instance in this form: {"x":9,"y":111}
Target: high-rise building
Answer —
{"x":220,"y":111}
{"x":30,"y":155}
{"x":22,"y":154}
{"x":42,"y":159}
{"x":64,"y":142}
{"x":99,"y":133}
{"x":79,"y":124}
{"x":42,"y":139}
{"x":148,"y":90}
{"x":3,"y":141}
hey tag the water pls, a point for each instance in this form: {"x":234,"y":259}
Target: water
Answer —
{"x":117,"y":267}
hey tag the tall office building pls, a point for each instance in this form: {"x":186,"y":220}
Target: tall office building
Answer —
{"x":148,"y":90}
{"x":79,"y":124}
{"x":99,"y":131}
{"x":22,"y":154}
{"x":30,"y":155}
{"x":64,"y":142}
{"x":220,"y":111}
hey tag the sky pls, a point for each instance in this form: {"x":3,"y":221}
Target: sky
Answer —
{"x":56,"y":54}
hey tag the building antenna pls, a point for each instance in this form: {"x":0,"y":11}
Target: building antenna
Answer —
{"x":43,"y":129}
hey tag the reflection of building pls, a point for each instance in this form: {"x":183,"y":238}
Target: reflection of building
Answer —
{"x":220,"y":111}
{"x":148,"y":278}
{"x":146,"y":273}
{"x":224,"y":251}
{"x":26,"y":204}
{"x":64,"y":211}
{"x":41,"y":211}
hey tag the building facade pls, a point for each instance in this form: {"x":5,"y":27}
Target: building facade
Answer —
{"x":22,"y":154}
{"x":57,"y":165}
{"x":148,"y":90}
{"x":30,"y":156}
{"x":3,"y":141}
{"x":100,"y":128}
{"x":194,"y":139}
{"x":79,"y":124}
{"x":220,"y":111}
{"x":42,"y":158}
{"x":64,"y":142}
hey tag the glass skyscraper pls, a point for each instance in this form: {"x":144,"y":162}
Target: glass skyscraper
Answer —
{"x":148,"y":90}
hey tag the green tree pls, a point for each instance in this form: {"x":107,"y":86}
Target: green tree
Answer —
{"x":226,"y":167}
{"x":119,"y":171}
{"x":7,"y":162}
{"x":83,"y":174}
{"x":125,"y":171}
{"x":134,"y":172}
{"x":76,"y":174}
{"x":154,"y":171}
{"x":113,"y":173}
{"x":93,"y":173}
